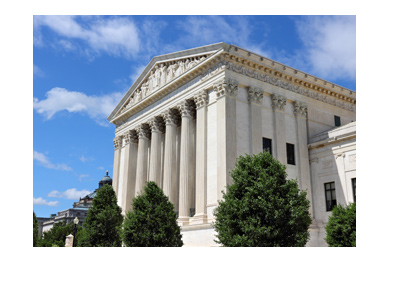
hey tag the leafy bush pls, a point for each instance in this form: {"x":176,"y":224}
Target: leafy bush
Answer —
{"x":262,"y":207}
{"x":57,"y":234}
{"x":152,"y":221}
{"x":341,"y":226}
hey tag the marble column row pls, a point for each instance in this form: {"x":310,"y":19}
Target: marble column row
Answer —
{"x":152,"y":152}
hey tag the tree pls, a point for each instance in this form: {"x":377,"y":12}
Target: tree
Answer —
{"x":102,"y":226}
{"x":152,"y":221}
{"x":341,"y":226}
{"x":262,"y":207}
{"x":57,"y":234}
{"x":35,"y":230}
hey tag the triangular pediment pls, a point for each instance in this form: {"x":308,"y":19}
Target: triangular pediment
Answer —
{"x":160,"y":71}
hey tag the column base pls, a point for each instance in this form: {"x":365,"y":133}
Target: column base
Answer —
{"x":183,"y":220}
{"x":199,"y":219}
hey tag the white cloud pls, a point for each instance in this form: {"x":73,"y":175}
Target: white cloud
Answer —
{"x":41,"y":201}
{"x":59,"y":99}
{"x":37,"y":71}
{"x":114,"y":36}
{"x":330,"y":45}
{"x":45,"y":162}
{"x":100,"y":168}
{"x":83,"y":176}
{"x":71,"y":194}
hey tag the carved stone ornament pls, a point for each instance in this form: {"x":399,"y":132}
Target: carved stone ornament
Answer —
{"x":156,"y":125}
{"x":186,"y":108}
{"x":227,"y":86}
{"x":170,"y":117}
{"x":117,"y":142}
{"x":201,"y":98}
{"x":255,"y":95}
{"x":300,"y":109}
{"x":143,"y":131}
{"x":130,"y":137}
{"x":278,"y":102}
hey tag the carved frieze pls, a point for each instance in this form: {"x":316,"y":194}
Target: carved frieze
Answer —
{"x":201,"y":98}
{"x":300,"y":109}
{"x":255,"y":95}
{"x":286,"y":85}
{"x":278,"y":102}
{"x":226,"y":86}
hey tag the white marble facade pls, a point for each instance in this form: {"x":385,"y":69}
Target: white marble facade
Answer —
{"x":190,"y":114}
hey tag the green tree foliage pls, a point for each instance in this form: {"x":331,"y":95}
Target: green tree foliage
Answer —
{"x":102,"y":226}
{"x":57,"y":234}
{"x":35,"y":230}
{"x":262,"y":207}
{"x":341,"y":226}
{"x":152,"y":221}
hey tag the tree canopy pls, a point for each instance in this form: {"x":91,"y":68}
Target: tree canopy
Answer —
{"x":35,"y":230}
{"x":57,"y":234}
{"x":261,"y":207}
{"x":152,"y":221}
{"x":102,"y":226}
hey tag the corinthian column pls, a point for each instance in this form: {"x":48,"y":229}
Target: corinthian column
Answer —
{"x":117,"y":151}
{"x":201,"y":101}
{"x":255,"y":96}
{"x":279,"y":148}
{"x":169,"y":177}
{"x":300,"y":112}
{"x":141,"y":169}
{"x":129,"y":175}
{"x":186,"y":110}
{"x":155,"y":155}
{"x":226,"y":92}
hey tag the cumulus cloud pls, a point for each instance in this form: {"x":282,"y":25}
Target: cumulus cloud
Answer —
{"x":71,"y":194}
{"x":330,"y":45}
{"x":59,"y":99}
{"x":44,"y":161}
{"x":114,"y":36}
{"x":41,"y":201}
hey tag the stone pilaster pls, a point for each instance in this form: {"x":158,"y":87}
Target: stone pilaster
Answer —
{"x":255,"y":96}
{"x":169,"y":176}
{"x":303,"y":166}
{"x":156,"y":127}
{"x":117,"y":152}
{"x":201,"y":100}
{"x":279,"y":144}
{"x":186,"y":110}
{"x":142,"y":157}
{"x":226,"y":92}
{"x":129,"y":176}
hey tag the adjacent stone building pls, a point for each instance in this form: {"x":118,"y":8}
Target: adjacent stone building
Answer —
{"x":190,"y":114}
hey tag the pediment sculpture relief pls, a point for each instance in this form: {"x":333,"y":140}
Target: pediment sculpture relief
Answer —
{"x":160,"y":75}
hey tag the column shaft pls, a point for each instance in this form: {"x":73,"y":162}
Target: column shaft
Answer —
{"x":155,"y":155}
{"x":141,"y":169}
{"x":130,"y":161}
{"x":117,"y":152}
{"x":278,"y":104}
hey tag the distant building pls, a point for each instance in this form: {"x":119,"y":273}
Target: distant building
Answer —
{"x":78,"y":210}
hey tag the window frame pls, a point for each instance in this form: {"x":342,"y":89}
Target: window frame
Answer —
{"x":353,"y":187}
{"x":264,"y":139}
{"x":291,"y":160}
{"x":332,"y":202}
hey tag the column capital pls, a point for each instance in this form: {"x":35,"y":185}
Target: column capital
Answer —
{"x":186,"y":108}
{"x":117,"y":143}
{"x":201,"y":98}
{"x":156,"y":124}
{"x":130,"y":137}
{"x":278,"y":102}
{"x":226,"y":86}
{"x":300,"y":109}
{"x":143,"y":131}
{"x":170,"y":117}
{"x":255,"y":95}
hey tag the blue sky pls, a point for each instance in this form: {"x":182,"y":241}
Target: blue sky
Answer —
{"x":83,"y":65}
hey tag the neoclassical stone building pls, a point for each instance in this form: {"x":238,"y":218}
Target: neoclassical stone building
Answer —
{"x":190,"y":114}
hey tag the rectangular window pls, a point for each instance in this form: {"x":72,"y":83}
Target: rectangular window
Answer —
{"x":290,"y":154}
{"x":330,"y":196}
{"x":353,"y":184}
{"x":337,"y":121}
{"x":267,"y":145}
